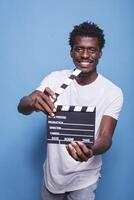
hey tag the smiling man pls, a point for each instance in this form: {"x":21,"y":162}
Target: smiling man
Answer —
{"x":72,"y":172}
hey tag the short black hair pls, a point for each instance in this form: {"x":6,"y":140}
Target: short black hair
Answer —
{"x":87,"y":29}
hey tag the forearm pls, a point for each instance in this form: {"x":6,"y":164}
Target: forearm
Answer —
{"x":101,"y":145}
{"x":104,"y":140}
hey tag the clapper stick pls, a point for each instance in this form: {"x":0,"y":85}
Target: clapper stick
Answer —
{"x":71,"y":123}
{"x":75,"y":73}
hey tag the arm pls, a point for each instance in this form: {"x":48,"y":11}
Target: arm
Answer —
{"x":79,"y":151}
{"x":38,"y":101}
{"x":104,"y":140}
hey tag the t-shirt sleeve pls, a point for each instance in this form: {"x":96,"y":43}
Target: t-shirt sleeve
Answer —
{"x":44,"y":83}
{"x":115,"y":107}
{"x":53,"y":80}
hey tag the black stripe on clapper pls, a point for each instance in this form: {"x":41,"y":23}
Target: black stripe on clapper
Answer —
{"x":72,"y":77}
{"x":64,"y":86}
{"x":56,"y":94}
{"x":84,"y":108}
{"x":71,"y":108}
{"x":59,"y":108}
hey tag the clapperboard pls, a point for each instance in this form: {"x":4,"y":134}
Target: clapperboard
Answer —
{"x":71,"y":123}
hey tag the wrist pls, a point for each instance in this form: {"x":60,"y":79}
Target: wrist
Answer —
{"x":91,"y":153}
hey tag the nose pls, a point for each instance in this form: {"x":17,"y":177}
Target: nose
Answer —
{"x":85,"y":54}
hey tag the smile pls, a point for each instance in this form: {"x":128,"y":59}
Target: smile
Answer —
{"x":86,"y":62}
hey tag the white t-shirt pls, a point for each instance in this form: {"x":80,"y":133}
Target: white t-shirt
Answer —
{"x":62,"y":173}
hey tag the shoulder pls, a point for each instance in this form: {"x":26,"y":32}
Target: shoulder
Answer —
{"x":58,"y":77}
{"x":113,"y":98}
{"x":62,"y":73}
{"x":54,"y":79}
{"x":110,"y":87}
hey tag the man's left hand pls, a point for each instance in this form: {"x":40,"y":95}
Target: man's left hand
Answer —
{"x":79,"y":151}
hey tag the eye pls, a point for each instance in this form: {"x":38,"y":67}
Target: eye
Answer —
{"x":78,"y":49}
{"x":93,"y":49}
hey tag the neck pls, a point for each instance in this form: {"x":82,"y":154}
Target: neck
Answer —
{"x":86,"y":78}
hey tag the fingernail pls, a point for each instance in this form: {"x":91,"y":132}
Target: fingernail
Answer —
{"x":73,"y":143}
{"x":80,"y":143}
{"x":51,"y":98}
{"x":54,"y":96}
{"x":54,"y":110}
{"x":70,"y":146}
{"x":52,"y":114}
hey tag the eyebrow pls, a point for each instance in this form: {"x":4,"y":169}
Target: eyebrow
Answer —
{"x":89,"y":47}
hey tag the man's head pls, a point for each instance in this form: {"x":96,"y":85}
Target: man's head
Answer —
{"x":86,"y":41}
{"x":87,"y":29}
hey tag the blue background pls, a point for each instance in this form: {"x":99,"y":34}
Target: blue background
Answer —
{"x":34,"y":42}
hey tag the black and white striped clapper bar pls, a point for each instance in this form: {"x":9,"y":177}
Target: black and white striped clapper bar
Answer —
{"x":71,"y":123}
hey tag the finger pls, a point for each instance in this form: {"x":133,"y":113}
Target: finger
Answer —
{"x":38,"y":108}
{"x":50,"y":92}
{"x":42,"y":106}
{"x":79,"y":152}
{"x":45,"y":100}
{"x":71,"y":150}
{"x":49,"y":102}
{"x":86,"y":150}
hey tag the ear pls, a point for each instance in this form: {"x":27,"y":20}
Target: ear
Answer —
{"x":100,"y":54}
{"x":71,"y":53}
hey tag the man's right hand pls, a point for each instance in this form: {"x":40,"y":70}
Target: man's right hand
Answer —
{"x":38,"y":101}
{"x":44,"y":101}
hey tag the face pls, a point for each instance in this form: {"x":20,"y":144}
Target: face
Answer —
{"x":86,"y":53}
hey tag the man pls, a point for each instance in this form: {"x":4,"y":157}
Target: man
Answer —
{"x":72,"y":171}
